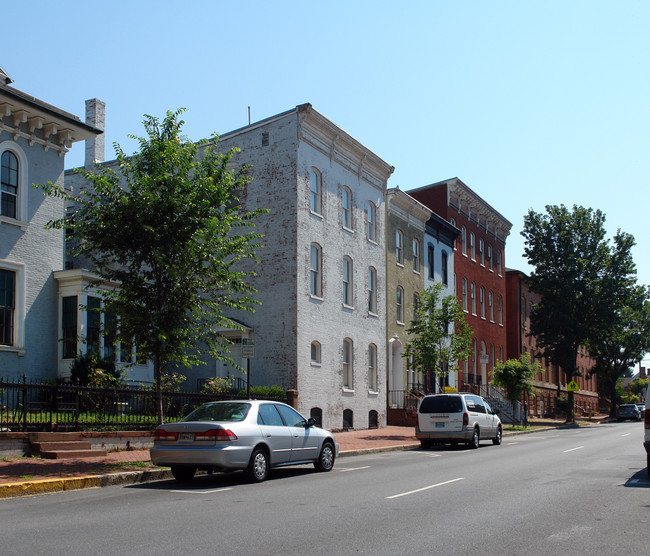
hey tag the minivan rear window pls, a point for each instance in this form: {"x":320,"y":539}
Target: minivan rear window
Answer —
{"x":441,"y":404}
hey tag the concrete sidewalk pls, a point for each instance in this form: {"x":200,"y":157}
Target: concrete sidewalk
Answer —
{"x":27,"y":476}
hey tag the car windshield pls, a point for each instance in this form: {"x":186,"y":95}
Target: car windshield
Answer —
{"x":228,"y":411}
{"x":441,"y":404}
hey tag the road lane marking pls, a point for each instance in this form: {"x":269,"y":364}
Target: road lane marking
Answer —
{"x":354,"y":468}
{"x":628,"y":434}
{"x":573,"y":449}
{"x":511,"y":443}
{"x":211,"y":491}
{"x":423,"y":489}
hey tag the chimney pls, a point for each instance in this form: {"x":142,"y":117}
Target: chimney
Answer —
{"x":95,"y":116}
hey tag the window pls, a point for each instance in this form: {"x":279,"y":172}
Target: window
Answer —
{"x":315,"y":353}
{"x":372,"y":367}
{"x":499,"y":263}
{"x":472,"y":294}
{"x":430,"y":260}
{"x":492,"y":357}
{"x":346,"y":208}
{"x":9,"y":187}
{"x":110,"y":332}
{"x":481,"y":252}
{"x":93,"y":318}
{"x":453,"y":223}
{"x":463,"y":240}
{"x":482,"y":301}
{"x":400,"y":305}
{"x":372,"y":290}
{"x":7,"y":306}
{"x":347,"y":281}
{"x":399,"y":247}
{"x":465,"y":294}
{"x":444,"y":264}
{"x":491,"y":306}
{"x":315,"y":273}
{"x":489,"y":257}
{"x":315,"y":186}
{"x":372,"y":221}
{"x":472,"y":246}
{"x":69,"y":326}
{"x":347,"y":364}
{"x":416,"y":302}
{"x":416,"y":256}
{"x":500,"y":310}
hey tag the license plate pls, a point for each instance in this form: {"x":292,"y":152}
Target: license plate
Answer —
{"x":186,"y":437}
{"x":440,"y":425}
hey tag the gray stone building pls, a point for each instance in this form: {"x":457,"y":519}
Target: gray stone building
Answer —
{"x":34,"y":138}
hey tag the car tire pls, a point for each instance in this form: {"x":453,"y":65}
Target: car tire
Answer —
{"x":476,"y":439}
{"x":499,"y":436}
{"x":425,"y":444}
{"x":326,"y":458}
{"x":183,"y":474}
{"x":258,"y":466}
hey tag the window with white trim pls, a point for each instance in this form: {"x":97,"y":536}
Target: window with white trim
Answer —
{"x":491,"y":305}
{"x":372,"y":368}
{"x":465,"y":295}
{"x":9,"y":185}
{"x":472,"y":246}
{"x":7,"y":306}
{"x":348,"y":379}
{"x":315,"y":353}
{"x":481,"y":252}
{"x":400,"y":304}
{"x":347,"y":282}
{"x":371,"y":215}
{"x":346,"y":208}
{"x":416,"y":255}
{"x":399,"y":247}
{"x":463,"y":240}
{"x":472,"y":294}
{"x":316,"y":191}
{"x":372,"y":290}
{"x":315,"y":270}
{"x":489,"y":258}
{"x":500,"y":310}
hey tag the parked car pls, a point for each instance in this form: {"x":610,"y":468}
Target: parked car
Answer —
{"x":646,"y":432}
{"x":249,"y":435}
{"x":457,"y":418}
{"x":641,"y":409}
{"x":628,"y":412}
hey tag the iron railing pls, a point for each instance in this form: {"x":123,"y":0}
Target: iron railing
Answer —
{"x":37,"y":406}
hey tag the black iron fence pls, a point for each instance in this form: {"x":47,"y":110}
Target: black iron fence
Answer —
{"x":37,"y":406}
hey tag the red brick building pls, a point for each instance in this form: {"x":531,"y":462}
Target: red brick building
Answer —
{"x":552,"y":381}
{"x":479,"y":265}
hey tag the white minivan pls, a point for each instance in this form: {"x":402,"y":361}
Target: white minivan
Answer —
{"x":457,"y":418}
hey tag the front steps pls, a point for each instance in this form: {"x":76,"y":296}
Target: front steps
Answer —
{"x":60,"y":445}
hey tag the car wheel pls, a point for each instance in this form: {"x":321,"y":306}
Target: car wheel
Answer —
{"x":476,"y":439}
{"x":325,"y":460}
{"x":497,"y":439}
{"x":183,"y":474}
{"x":425,"y":444}
{"x":258,"y":467}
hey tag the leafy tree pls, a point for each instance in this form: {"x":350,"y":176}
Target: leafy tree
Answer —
{"x":639,"y":386}
{"x":440,"y":334}
{"x":515,"y":376}
{"x":571,"y":260}
{"x":168,"y":228}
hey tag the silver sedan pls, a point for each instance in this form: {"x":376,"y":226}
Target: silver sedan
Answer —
{"x":252,"y":435}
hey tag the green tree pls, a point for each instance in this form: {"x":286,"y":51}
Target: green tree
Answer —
{"x":639,"y":386}
{"x":440,"y":334}
{"x":168,"y":228}
{"x":571,"y":258}
{"x":515,"y":376}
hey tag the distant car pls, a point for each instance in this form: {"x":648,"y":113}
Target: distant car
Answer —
{"x":251,"y":435}
{"x":457,"y":418}
{"x":628,"y":412}
{"x":641,"y":409}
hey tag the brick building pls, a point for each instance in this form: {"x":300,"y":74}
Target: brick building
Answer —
{"x":479,"y":271}
{"x":552,"y":381}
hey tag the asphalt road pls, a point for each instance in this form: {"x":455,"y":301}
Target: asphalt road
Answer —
{"x":571,"y":491}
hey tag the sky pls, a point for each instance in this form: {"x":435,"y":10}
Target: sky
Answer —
{"x":530,"y":103}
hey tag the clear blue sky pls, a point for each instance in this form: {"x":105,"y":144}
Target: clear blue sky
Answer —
{"x":528,"y":102}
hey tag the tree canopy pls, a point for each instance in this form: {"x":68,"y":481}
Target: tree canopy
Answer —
{"x":515,"y":375}
{"x":168,"y":228}
{"x":583,"y":281}
{"x":440,"y":334}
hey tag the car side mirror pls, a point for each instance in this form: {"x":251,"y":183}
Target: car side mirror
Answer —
{"x":496,"y":411}
{"x":311,"y":422}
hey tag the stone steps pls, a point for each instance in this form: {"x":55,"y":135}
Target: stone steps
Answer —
{"x":52,"y":445}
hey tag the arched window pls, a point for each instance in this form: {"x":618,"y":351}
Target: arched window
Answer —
{"x":316,"y":191}
{"x":346,"y":208}
{"x":399,"y":247}
{"x":372,"y":290}
{"x":347,"y":282}
{"x":348,"y":419}
{"x":372,"y":221}
{"x":316,"y":413}
{"x":315,"y":352}
{"x":445,"y":269}
{"x":9,"y":187}
{"x":416,"y":255}
{"x":400,"y":304}
{"x":348,"y":378}
{"x":372,"y":367}
{"x":315,"y":270}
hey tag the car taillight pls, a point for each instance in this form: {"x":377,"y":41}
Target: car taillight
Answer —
{"x":214,"y":435}
{"x":161,"y":434}
{"x":465,"y":419}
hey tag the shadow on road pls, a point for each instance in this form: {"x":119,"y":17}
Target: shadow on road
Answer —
{"x":639,"y":480}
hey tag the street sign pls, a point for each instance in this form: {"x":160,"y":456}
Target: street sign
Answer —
{"x":485,"y":359}
{"x":248,"y":348}
{"x":572,"y":386}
